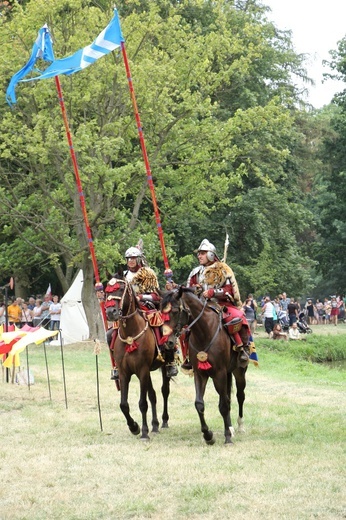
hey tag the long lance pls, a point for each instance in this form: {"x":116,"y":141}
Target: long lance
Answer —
{"x":81,"y":194}
{"x":168,"y":272}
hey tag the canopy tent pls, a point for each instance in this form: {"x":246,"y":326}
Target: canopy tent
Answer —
{"x":73,"y":323}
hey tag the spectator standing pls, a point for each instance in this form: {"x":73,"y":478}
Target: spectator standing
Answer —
{"x":36,"y":313}
{"x":31,"y":303}
{"x":27,"y":316}
{"x":292,"y":309}
{"x":342,"y":309}
{"x":2,"y":314}
{"x":268,"y":313}
{"x":55,"y":311}
{"x":334,"y":313}
{"x":249,"y":315}
{"x":310,"y":309}
{"x":14,"y":311}
{"x":253,"y":304}
{"x":320,"y":311}
{"x":284,"y":302}
{"x":45,"y":317}
{"x":327,"y":310}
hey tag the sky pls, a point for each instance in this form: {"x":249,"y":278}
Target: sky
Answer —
{"x":316,"y":28}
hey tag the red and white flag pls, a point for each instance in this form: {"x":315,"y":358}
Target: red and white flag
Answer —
{"x":49,"y":290}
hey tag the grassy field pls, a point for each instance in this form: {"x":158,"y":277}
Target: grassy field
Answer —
{"x":56,"y":463}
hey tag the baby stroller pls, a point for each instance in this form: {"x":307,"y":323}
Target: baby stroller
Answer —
{"x":283,"y":320}
{"x":302,"y":324}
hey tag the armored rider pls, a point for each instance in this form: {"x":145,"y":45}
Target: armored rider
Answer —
{"x":146,"y":287}
{"x":215,"y":281}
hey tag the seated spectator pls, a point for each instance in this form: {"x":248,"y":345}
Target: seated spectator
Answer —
{"x":293,"y":332}
{"x":278,"y":333}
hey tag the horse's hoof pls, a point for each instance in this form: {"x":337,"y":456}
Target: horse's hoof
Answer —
{"x":135,"y":429}
{"x":145,"y":439}
{"x":164,"y":425}
{"x":209,"y":438}
{"x":229,"y":442}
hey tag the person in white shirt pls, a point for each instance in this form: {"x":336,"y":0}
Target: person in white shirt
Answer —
{"x":293,"y":332}
{"x":54,"y":312}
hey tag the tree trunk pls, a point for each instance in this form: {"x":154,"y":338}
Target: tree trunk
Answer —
{"x":91,"y":303}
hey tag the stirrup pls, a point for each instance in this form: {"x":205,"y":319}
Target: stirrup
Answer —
{"x":243,"y":354}
{"x":115,"y":374}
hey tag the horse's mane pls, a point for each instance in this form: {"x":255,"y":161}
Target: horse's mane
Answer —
{"x":174,"y":295}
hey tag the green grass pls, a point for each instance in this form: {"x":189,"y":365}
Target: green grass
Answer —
{"x":57,"y":463}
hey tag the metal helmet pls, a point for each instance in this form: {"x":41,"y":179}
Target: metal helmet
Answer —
{"x":205,"y":245}
{"x":133,"y":252}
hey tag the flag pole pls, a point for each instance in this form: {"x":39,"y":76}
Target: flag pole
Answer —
{"x":80,"y":192}
{"x":168,"y":272}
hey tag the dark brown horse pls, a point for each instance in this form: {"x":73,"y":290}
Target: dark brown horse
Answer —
{"x":135,"y":353}
{"x":211,"y":356}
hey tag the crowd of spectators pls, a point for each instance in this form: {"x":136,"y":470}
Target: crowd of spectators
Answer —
{"x":275,"y":311}
{"x":39,"y":312}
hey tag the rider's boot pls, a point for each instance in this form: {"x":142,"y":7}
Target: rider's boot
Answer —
{"x":186,"y":365}
{"x":245,"y":350}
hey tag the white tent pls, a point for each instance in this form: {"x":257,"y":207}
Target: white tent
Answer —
{"x":73,"y":323}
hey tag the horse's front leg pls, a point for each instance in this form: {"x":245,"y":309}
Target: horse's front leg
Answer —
{"x":240,"y":380}
{"x":124,"y":404}
{"x":144,"y":379}
{"x":200,"y":385}
{"x":165,"y":390}
{"x":153,"y":402}
{"x":222,"y":384}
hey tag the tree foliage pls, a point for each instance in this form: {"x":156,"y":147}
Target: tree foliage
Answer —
{"x":225,"y":142}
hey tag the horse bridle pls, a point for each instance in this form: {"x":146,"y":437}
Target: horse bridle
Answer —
{"x":120,"y":299}
{"x":130,"y":339}
{"x":188,"y":328}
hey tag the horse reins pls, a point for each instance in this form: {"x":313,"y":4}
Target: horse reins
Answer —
{"x":129,"y":339}
{"x":188,"y":329}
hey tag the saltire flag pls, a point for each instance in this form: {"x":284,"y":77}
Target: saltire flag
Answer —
{"x":42,"y":48}
{"x":109,"y":39}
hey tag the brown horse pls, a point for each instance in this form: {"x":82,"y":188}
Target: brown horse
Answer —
{"x":211,"y":356}
{"x":135,"y":352}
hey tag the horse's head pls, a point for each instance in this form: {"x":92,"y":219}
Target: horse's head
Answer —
{"x":120,"y":299}
{"x":175,"y":315}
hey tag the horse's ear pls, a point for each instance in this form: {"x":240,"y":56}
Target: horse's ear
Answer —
{"x":119,"y":273}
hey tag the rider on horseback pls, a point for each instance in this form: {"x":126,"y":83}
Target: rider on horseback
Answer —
{"x":146,"y":287}
{"x":216,"y":282}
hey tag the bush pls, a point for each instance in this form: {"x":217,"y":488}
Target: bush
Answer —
{"x":313,"y":348}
